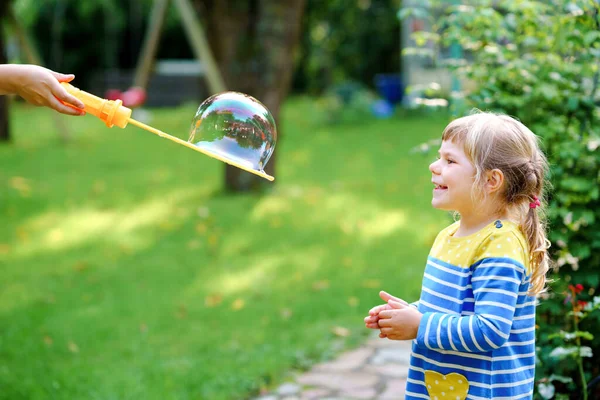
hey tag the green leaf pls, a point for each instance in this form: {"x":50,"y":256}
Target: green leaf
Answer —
{"x":563,"y":352}
{"x":586,"y":351}
{"x":591,"y":38}
{"x":572,"y":103}
{"x":560,"y":378}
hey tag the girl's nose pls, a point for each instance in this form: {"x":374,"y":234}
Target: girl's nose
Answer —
{"x":433,"y":167}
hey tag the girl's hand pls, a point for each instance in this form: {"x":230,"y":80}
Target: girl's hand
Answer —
{"x":41,"y":87}
{"x":371,"y":320}
{"x":385,"y":296}
{"x":400,"y":323}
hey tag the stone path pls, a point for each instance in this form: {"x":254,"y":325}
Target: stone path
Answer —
{"x":377,"y":370}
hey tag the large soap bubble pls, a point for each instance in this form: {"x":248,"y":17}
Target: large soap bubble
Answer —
{"x":236,"y":128}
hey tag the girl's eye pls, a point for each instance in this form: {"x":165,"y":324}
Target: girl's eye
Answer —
{"x":450,"y":161}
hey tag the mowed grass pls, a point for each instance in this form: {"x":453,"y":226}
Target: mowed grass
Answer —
{"x":128,"y":273}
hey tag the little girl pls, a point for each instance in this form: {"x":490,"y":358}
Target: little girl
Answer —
{"x":474,"y":325}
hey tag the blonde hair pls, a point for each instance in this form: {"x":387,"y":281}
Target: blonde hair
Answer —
{"x":496,"y":141}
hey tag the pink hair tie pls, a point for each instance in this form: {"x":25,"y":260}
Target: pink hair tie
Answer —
{"x":535,"y":203}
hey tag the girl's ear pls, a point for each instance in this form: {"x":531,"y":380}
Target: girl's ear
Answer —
{"x":495,"y":180}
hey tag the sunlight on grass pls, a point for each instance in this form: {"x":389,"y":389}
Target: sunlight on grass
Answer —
{"x":56,"y":231}
{"x":349,"y":212}
{"x":383,"y":224}
{"x":130,"y":273}
{"x":258,"y":271}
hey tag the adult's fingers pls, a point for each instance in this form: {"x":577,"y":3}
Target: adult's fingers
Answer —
{"x":62,"y":94}
{"x":63,"y":77}
{"x":62,"y":108}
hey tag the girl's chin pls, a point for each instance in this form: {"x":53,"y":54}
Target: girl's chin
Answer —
{"x":440,"y":205}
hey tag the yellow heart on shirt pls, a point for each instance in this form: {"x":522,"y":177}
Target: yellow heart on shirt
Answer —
{"x":444,"y":387}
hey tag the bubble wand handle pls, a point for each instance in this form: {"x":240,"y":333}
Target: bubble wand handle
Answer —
{"x":112,"y":112}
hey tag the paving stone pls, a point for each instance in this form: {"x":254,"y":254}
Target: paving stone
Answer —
{"x":348,"y":361}
{"x":379,"y":343}
{"x":394,"y":390}
{"x":339,"y":381}
{"x":391,"y":355}
{"x":366,"y":393}
{"x":288,"y":389}
{"x":313,"y":394}
{"x":388,"y":370}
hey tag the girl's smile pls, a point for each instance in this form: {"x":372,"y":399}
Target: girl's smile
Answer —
{"x":453,"y":176}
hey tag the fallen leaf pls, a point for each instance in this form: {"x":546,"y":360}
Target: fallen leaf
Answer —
{"x":391,"y":188}
{"x":372,"y":284}
{"x":201,"y":228}
{"x":286,"y":313}
{"x":143,"y":328}
{"x":73,"y":348}
{"x":181,"y":312}
{"x":213,"y":299}
{"x":22,"y":185}
{"x":193,"y":244}
{"x":238,"y":304}
{"x":4,"y":249}
{"x":275,"y":222}
{"x":99,"y":187}
{"x":213,"y":240}
{"x":353,"y":301}
{"x":321,"y":285}
{"x":80,"y":266}
{"x":48,"y":340}
{"x":340,"y":331}
{"x":22,"y":234}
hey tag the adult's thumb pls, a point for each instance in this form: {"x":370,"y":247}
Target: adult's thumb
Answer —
{"x":63,"y":77}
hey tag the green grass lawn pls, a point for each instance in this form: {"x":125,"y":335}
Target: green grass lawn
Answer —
{"x":127,"y":273}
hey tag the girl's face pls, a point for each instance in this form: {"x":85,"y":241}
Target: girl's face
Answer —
{"x":453,"y":176}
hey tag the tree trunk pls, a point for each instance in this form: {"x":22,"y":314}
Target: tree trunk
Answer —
{"x":4,"y":100}
{"x":254,"y":43}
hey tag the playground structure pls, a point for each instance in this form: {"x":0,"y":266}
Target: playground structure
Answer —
{"x":136,"y":94}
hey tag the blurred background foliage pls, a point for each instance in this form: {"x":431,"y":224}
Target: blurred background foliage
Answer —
{"x":540,"y":61}
{"x":336,"y":44}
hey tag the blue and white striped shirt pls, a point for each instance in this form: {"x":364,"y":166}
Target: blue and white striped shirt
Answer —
{"x":476,"y":339}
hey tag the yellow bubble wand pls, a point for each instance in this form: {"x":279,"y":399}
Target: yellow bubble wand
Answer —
{"x":112,"y":112}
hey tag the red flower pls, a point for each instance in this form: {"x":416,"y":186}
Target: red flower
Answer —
{"x":581,"y":303}
{"x":579,"y":288}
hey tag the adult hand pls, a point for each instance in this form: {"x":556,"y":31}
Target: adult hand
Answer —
{"x":41,"y":87}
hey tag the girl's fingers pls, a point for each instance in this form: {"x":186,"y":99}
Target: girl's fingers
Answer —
{"x":397,"y":305}
{"x":376,"y":310}
{"x":385,"y":296}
